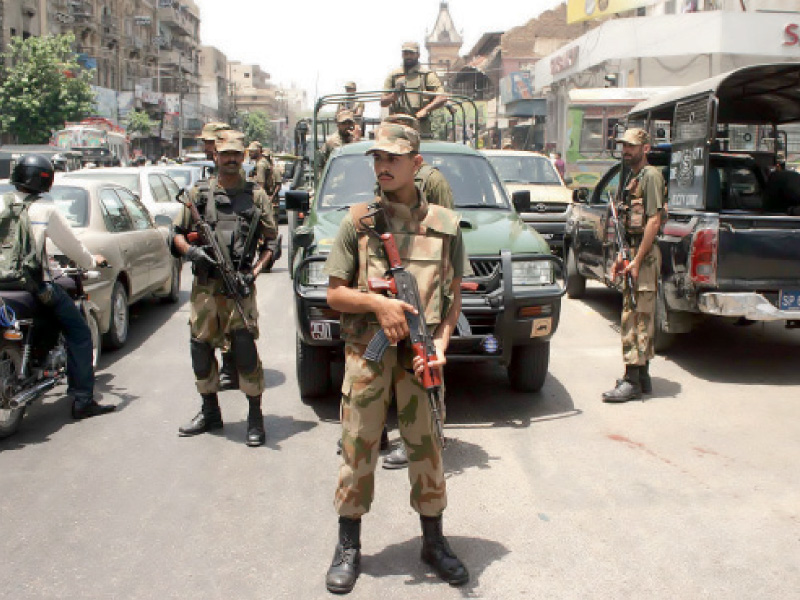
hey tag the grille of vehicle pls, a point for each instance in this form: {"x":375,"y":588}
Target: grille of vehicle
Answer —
{"x":549,"y":207}
{"x":485,"y":267}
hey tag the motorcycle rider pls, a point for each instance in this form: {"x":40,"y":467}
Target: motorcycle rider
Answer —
{"x":32,"y":177}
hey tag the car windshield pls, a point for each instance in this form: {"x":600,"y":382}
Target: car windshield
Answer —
{"x":536,"y":170}
{"x":350,"y":179}
{"x":73,"y":203}
{"x":128,"y":180}
{"x":182,"y":177}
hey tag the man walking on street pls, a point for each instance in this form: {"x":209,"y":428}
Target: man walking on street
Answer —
{"x":431,"y":249}
{"x":406,"y":83}
{"x":641,"y":212}
{"x":231,"y":207}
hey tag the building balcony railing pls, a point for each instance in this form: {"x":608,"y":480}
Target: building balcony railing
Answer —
{"x":170,"y":14}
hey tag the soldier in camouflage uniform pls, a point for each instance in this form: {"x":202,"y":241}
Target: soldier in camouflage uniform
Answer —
{"x":244,"y":231}
{"x":408,"y":79}
{"x":262,"y":173}
{"x":430,"y":245}
{"x":642,"y":212}
{"x":346,"y":133}
{"x":354,"y":106}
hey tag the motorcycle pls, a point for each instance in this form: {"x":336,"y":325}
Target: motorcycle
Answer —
{"x":33,"y":356}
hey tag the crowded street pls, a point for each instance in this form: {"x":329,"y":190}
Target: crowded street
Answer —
{"x":691,"y":493}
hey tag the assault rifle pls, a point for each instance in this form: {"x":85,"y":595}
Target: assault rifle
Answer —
{"x":619,"y":234}
{"x":403,"y":285}
{"x":235,"y":286}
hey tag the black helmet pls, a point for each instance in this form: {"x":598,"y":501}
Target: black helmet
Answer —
{"x":33,"y":173}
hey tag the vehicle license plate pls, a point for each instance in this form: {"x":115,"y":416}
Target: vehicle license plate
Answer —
{"x":789,"y":300}
{"x":321,"y":330}
{"x":541,"y":327}
{"x":548,"y":236}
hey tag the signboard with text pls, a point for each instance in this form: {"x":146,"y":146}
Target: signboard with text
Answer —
{"x":687,"y":169}
{"x":586,"y":10}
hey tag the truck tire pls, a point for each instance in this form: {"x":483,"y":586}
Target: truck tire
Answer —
{"x":528,"y":367}
{"x":576,"y":283}
{"x":313,"y":370}
{"x":662,"y":339}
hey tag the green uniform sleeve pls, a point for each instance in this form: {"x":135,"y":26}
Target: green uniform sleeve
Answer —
{"x":269,"y":230}
{"x":652,"y":191}
{"x":437,"y":190}
{"x":388,"y":84}
{"x":343,"y":260}
{"x":433,"y":83}
{"x":458,"y":257}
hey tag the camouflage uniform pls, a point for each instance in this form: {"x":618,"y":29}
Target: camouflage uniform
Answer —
{"x":434,"y":185}
{"x":213,"y":316}
{"x":417,"y":79}
{"x":644,"y":199}
{"x":336,"y":140}
{"x":435,"y":257}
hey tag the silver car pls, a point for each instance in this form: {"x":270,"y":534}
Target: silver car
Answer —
{"x":157,"y":190}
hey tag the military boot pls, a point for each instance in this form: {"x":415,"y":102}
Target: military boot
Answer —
{"x":256,"y":436}
{"x":644,"y":378}
{"x":628,"y":388}
{"x":207,"y":419}
{"x":228,"y":374}
{"x":346,"y":565}
{"x":437,"y":553}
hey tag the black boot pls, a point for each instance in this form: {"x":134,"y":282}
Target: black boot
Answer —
{"x":346,"y":565}
{"x":228,"y":374}
{"x":628,"y":388}
{"x":256,"y":436}
{"x":437,"y":553}
{"x":207,"y":419}
{"x":644,"y":378}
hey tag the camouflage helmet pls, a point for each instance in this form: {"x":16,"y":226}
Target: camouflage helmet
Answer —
{"x":229,"y":140}
{"x":210,"y":130}
{"x":403,"y":119}
{"x":395,"y":139}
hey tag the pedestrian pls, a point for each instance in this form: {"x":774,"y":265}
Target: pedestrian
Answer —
{"x":559,"y":164}
{"x":641,"y":210}
{"x":346,"y":133}
{"x":367,"y":386}
{"x":231,"y":208}
{"x":404,"y":86}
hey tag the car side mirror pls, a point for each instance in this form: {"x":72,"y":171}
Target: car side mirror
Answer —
{"x":297,"y":200}
{"x":580,"y":195}
{"x":303,"y":236}
{"x":521,"y":199}
{"x":568,"y":180}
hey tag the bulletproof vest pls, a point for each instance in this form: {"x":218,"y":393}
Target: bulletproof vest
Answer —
{"x":423,"y":239}
{"x":409,"y":102}
{"x":632,"y":210}
{"x":235,"y":220}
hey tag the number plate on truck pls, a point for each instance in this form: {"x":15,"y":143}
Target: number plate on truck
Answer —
{"x":789,"y":300}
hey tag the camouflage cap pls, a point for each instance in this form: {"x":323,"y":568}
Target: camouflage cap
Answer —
{"x":254,"y":145}
{"x":395,"y":139}
{"x":635,"y":137}
{"x":403,"y":119}
{"x":345,"y":115}
{"x":209,"y":132}
{"x":349,"y":85}
{"x":230,"y":141}
{"x":411,"y":47}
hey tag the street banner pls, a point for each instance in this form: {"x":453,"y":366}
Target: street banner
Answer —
{"x":586,"y":10}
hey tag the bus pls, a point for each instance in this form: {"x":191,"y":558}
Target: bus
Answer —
{"x":97,"y":139}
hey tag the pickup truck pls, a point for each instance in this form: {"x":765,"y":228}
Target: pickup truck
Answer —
{"x":511,"y":305}
{"x":727,"y":257}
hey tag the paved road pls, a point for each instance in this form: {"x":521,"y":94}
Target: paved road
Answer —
{"x":692,"y":494}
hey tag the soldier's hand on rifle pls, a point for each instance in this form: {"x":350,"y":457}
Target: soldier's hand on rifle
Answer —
{"x":633,"y":269}
{"x":399,"y":85}
{"x":391,"y":315}
{"x":198,"y":256}
{"x":439,"y":363}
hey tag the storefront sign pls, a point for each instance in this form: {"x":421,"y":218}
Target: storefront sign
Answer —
{"x":565,"y":60}
{"x":792,"y":35}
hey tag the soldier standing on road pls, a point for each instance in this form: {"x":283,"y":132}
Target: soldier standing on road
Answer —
{"x":367,"y":387}
{"x":406,"y":82}
{"x":346,"y":133}
{"x":262,"y":173}
{"x":641,"y":211}
{"x":231,"y":207}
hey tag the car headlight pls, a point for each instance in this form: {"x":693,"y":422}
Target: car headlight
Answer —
{"x":531,"y":272}
{"x":315,"y":273}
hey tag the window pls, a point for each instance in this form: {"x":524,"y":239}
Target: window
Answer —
{"x":141,"y":220}
{"x":158,"y":189}
{"x":592,"y":135}
{"x":172,"y":188}
{"x":115,"y":216}
{"x":609,"y":190}
{"x":73,"y":203}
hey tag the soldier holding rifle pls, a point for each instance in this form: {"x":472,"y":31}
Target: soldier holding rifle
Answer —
{"x":226,"y":235}
{"x":430,"y":248}
{"x":641,"y":210}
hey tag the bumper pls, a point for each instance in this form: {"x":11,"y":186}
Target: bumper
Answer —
{"x":551,"y":231}
{"x":492,"y":323}
{"x":750,"y":305}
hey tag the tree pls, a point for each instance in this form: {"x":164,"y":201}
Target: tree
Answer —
{"x":41,"y":87}
{"x":256,"y":127}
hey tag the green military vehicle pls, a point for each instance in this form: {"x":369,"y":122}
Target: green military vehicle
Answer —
{"x":511,"y":303}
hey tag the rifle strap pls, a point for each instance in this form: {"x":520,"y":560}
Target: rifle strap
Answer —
{"x":358,"y":212}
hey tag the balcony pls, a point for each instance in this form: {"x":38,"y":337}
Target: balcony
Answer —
{"x":171,"y":13}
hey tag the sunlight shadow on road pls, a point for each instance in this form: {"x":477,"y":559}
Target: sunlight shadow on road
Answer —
{"x":403,"y":559}
{"x":278,"y":428}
